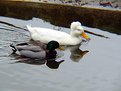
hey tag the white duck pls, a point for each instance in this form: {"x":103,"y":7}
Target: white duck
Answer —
{"x":45,"y":35}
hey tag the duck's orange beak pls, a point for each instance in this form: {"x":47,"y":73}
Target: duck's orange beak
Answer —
{"x":84,"y":35}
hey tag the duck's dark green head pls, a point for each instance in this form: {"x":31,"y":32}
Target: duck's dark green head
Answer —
{"x":52,"y":45}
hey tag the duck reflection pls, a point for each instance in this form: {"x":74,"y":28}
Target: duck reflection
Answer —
{"x":51,"y":63}
{"x":76,"y":53}
{"x":30,"y":61}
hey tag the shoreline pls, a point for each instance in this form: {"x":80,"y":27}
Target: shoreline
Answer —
{"x":109,"y":20}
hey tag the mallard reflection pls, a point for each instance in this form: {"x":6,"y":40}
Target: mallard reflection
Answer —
{"x":51,"y":63}
{"x":30,"y":61}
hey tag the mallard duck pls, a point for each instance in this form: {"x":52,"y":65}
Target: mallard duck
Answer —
{"x":36,"y":51}
{"x":45,"y":35}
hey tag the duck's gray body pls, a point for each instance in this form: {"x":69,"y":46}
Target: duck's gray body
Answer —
{"x":33,"y":54}
{"x":30,"y":48}
{"x":30,"y":51}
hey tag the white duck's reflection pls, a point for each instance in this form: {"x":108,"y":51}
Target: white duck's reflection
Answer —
{"x":76,"y":53}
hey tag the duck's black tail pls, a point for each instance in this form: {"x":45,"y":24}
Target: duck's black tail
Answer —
{"x":13,"y":48}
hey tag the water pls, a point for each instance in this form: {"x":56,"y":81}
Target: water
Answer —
{"x":97,"y":70}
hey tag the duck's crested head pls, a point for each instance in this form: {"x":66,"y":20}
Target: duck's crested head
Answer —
{"x":76,"y":26}
{"x":52,"y":45}
{"x":77,"y":30}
